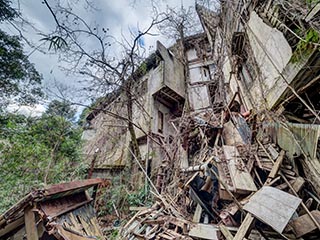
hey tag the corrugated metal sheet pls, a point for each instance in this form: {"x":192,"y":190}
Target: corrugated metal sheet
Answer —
{"x":295,"y":138}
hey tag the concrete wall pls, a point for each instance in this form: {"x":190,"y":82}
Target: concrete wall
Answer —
{"x":108,"y":137}
{"x":198,"y":91}
{"x":272,"y":53}
{"x":173,"y":74}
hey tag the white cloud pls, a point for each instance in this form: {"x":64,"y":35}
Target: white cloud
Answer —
{"x":119,"y":16}
{"x":29,"y":111}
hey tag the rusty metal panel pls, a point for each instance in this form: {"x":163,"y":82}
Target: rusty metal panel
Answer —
{"x":71,"y":186}
{"x":58,"y":206}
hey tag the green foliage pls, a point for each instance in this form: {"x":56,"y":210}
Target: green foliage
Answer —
{"x":114,"y":234}
{"x":62,"y":109}
{"x":6,"y":12}
{"x":121,"y":197}
{"x":83,"y":115}
{"x":35,"y":152}
{"x":311,"y":3}
{"x":19,"y":78}
{"x":137,"y":198}
{"x":305,"y":46}
{"x":143,"y":68}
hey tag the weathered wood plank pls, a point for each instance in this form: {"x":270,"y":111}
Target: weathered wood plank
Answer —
{"x":298,"y":184}
{"x":197,"y":214}
{"x":245,"y":227}
{"x":241,"y":178}
{"x":304,"y":224}
{"x":30,"y":224}
{"x":204,"y":231}
{"x":226,"y":233}
{"x":276,"y":167}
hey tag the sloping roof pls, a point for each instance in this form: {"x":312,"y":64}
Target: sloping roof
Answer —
{"x":39,"y":195}
{"x":208,"y":18}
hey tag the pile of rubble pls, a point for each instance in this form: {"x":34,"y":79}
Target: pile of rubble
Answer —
{"x":239,"y":185}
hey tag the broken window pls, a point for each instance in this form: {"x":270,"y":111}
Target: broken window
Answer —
{"x":206,"y":72}
{"x":160,"y":122}
{"x":249,"y":66}
{"x":297,"y":112}
{"x":237,"y":44}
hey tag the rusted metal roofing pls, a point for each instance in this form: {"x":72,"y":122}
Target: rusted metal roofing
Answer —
{"x":54,"y":206}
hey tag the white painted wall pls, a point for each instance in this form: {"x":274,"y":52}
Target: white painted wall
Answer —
{"x":198,"y":94}
{"x":272,"y":53}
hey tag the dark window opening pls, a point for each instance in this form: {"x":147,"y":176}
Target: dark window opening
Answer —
{"x":160,"y":122}
{"x":206,"y":71}
{"x":296,"y":112}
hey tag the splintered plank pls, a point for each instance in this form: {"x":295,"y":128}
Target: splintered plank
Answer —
{"x":273,"y":207}
{"x":204,"y":231}
{"x":298,"y":184}
{"x":304,"y":224}
{"x":276,"y":167}
{"x":197,"y":214}
{"x":241,"y":178}
{"x":226,"y":233}
{"x":30,"y":224}
{"x":245,"y":227}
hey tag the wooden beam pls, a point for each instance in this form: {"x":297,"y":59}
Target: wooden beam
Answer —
{"x":197,"y":214}
{"x":276,"y":167}
{"x":245,"y":227}
{"x":241,"y":179}
{"x":226,"y":233}
{"x":313,"y":12}
{"x":204,"y":231}
{"x":304,"y":224}
{"x":30,"y":224}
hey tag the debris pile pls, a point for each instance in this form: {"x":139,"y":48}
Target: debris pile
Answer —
{"x":60,"y":211}
{"x":229,"y":180}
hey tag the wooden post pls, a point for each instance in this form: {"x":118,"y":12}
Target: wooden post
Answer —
{"x":30,"y":224}
{"x":245,"y":227}
{"x":276,"y":167}
{"x":226,"y":233}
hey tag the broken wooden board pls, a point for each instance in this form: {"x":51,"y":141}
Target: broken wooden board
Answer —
{"x":231,"y":134}
{"x":241,"y":178}
{"x":30,"y":224}
{"x":273,"y":207}
{"x":304,"y":224}
{"x":224,"y":174}
{"x":204,"y":231}
{"x":132,"y":208}
{"x":276,"y":167}
{"x":273,"y":152}
{"x":197,"y":214}
{"x":298,"y":184}
{"x":245,"y":227}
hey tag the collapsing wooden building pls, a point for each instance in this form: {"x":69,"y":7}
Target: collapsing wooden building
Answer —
{"x":265,"y":149}
{"x":61,"y":211}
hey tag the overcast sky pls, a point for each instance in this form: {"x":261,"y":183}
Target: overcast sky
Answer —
{"x":117,"y":15}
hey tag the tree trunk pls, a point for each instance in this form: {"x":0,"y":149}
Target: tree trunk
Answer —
{"x":134,"y":141}
{"x":185,"y":65}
